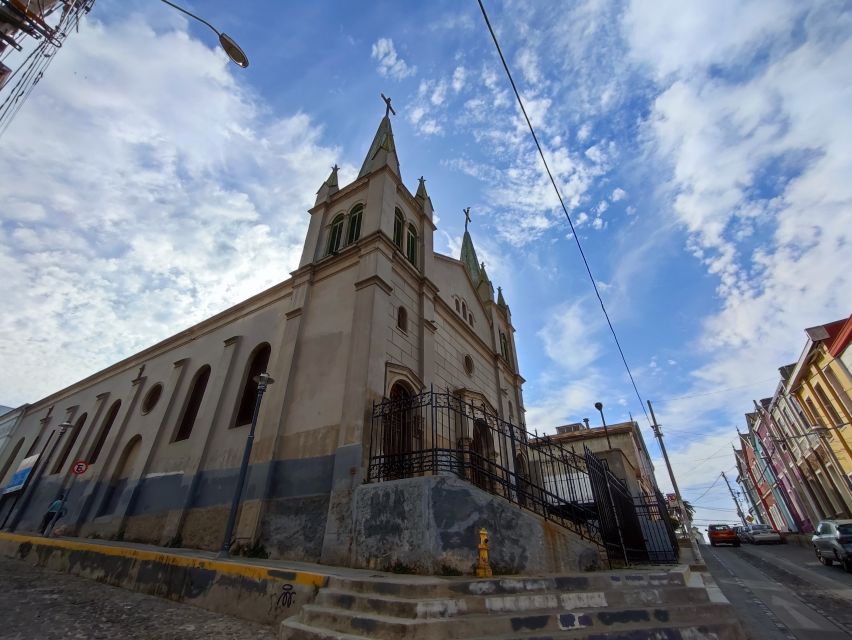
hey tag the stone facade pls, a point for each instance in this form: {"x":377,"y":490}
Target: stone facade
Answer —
{"x":370,"y":309}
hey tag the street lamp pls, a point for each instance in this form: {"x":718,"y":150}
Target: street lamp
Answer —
{"x":228,"y":44}
{"x":599,"y":407}
{"x":263,"y":380}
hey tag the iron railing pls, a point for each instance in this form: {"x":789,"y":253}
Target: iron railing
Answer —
{"x":440,"y":433}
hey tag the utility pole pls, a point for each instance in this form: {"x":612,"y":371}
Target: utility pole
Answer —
{"x":687,"y":520}
{"x":736,"y":502}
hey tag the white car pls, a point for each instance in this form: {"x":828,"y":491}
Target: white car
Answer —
{"x":760,"y":533}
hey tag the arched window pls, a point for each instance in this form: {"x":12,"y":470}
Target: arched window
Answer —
{"x":411,"y":247}
{"x":121,"y":477}
{"x":256,"y":365}
{"x":11,"y":459}
{"x":69,"y":443}
{"x":335,"y":234}
{"x":470,"y":319}
{"x":464,"y":310}
{"x":402,"y":318}
{"x":398,"y":226}
{"x":354,"y":230}
{"x":458,"y":307}
{"x":104,"y":432}
{"x":193,"y":403}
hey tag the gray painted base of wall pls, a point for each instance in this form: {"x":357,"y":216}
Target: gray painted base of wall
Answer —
{"x":431,"y":525}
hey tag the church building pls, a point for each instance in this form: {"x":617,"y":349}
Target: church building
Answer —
{"x":373,"y":317}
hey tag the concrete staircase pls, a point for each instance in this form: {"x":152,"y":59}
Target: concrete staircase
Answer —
{"x":631,"y":605}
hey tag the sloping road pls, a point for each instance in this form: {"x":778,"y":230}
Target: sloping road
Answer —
{"x":781,"y":591}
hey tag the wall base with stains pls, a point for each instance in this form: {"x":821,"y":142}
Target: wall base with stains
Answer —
{"x":247,"y":590}
{"x":430,"y":525}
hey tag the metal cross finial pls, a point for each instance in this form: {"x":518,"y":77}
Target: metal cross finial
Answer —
{"x":466,"y":217}
{"x":388,"y":107}
{"x":335,"y":167}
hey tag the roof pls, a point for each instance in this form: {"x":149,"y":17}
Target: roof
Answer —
{"x":842,"y":338}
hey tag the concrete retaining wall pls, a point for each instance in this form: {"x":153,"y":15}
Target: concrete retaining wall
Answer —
{"x":431,"y":525}
{"x":244,"y":590}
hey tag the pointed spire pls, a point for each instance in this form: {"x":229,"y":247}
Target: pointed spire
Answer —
{"x":329,"y":187}
{"x":501,"y":301}
{"x":468,"y":257}
{"x":383,"y":150}
{"x":421,"y":194}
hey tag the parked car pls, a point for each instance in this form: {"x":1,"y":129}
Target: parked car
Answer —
{"x":763,"y":533}
{"x":833,"y":543}
{"x":722,"y":534}
{"x":738,"y":530}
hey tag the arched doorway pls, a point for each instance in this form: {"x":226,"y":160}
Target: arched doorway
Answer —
{"x":398,"y":437}
{"x":522,"y":479}
{"x":480,"y":459}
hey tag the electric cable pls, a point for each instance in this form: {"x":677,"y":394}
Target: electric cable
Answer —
{"x":564,"y":208}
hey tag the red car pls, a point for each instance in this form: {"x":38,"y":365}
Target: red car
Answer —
{"x":722,"y":534}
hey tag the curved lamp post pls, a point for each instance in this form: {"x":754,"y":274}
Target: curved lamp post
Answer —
{"x":599,"y":407}
{"x":263,"y":381}
{"x":228,"y":44}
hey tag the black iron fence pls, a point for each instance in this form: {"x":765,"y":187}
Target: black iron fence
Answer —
{"x":440,"y":433}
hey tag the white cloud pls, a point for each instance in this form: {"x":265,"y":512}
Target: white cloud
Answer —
{"x":567,"y":337}
{"x":151,"y":198}
{"x":459,"y":76}
{"x":618,"y":194}
{"x":758,"y":157}
{"x":390,"y":64}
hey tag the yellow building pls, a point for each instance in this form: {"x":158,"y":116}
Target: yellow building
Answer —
{"x":821,"y":386}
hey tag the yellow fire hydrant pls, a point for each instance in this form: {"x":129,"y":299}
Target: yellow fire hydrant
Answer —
{"x":483,"y":569}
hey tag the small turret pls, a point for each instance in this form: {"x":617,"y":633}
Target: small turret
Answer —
{"x":329,"y":187}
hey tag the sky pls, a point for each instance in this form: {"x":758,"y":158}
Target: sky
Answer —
{"x":702,"y":150}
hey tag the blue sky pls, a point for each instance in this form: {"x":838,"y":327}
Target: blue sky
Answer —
{"x":702,"y":152}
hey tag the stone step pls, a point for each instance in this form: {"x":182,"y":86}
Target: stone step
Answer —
{"x":593,"y":581}
{"x":601,"y":620}
{"x":293,"y":630}
{"x":420,"y":608}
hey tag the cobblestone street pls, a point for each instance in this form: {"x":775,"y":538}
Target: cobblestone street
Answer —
{"x":46,"y":605}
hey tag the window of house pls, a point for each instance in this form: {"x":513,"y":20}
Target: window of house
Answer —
{"x":458,"y":306}
{"x":193,"y":403}
{"x":836,"y":420}
{"x":151,"y":398}
{"x":398,"y":226}
{"x":354,"y":230}
{"x":838,"y":389}
{"x":464,"y":310}
{"x":816,"y":414}
{"x":468,"y":365}
{"x":411,"y":248}
{"x":256,"y":365}
{"x":335,"y":234}
{"x":470,"y":319}
{"x":104,"y":432}
{"x":69,"y":443}
{"x":402,"y":318}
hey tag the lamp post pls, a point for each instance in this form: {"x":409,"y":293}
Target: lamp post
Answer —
{"x":599,"y":407}
{"x":263,"y":380}
{"x":233,"y":50}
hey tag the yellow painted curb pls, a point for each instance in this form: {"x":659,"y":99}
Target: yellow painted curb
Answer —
{"x":253,"y":571}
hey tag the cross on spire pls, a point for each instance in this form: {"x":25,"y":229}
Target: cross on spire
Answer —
{"x":388,"y":107}
{"x":466,"y":217}
{"x":335,"y":167}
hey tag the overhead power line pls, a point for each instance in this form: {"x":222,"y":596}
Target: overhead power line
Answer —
{"x":564,"y":208}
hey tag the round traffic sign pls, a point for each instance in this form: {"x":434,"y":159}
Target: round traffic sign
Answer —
{"x":79,"y":467}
